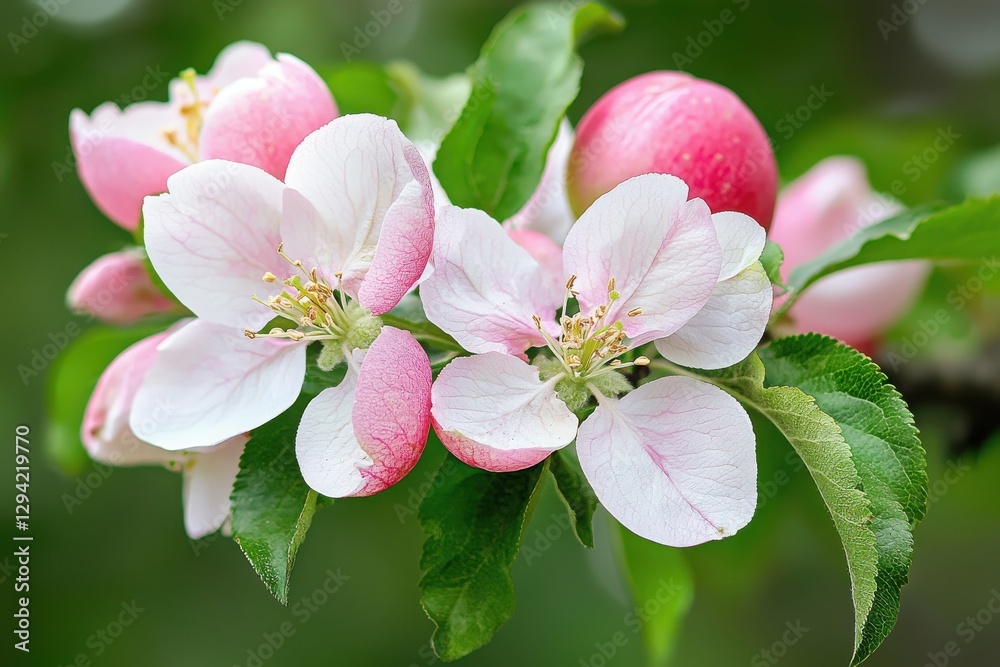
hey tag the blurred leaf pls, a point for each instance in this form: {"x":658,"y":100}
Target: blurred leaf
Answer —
{"x":362,"y":87}
{"x":662,"y":587}
{"x":74,"y":375}
{"x":272,"y":505}
{"x":316,"y":379}
{"x":527,"y":75}
{"x":473,"y":520}
{"x":878,"y":427}
{"x":575,"y":491}
{"x":968,"y":232}
{"x":819,"y":442}
{"x":771,"y":259}
{"x":434,"y":104}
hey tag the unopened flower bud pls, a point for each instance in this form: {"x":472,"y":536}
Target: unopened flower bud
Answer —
{"x":117,"y":288}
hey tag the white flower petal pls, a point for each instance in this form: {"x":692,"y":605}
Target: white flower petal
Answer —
{"x":742,"y":241}
{"x":485,"y":288}
{"x":210,"y":383}
{"x":673,"y":461}
{"x":213,"y":236}
{"x":662,"y":251}
{"x":208,"y":483}
{"x":492,"y":411}
{"x":728,"y":327}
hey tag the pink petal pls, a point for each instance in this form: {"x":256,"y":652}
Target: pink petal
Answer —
{"x":367,"y":433}
{"x":354,"y":172}
{"x":210,"y":383}
{"x":673,"y":461}
{"x":116,"y":288}
{"x":492,"y":411}
{"x":237,"y":61}
{"x":212,"y":238}
{"x":485,"y":288}
{"x":105,"y":432}
{"x":859,"y":304}
{"x":208,"y":483}
{"x":662,"y":251}
{"x":120,"y":159}
{"x":260,"y":120}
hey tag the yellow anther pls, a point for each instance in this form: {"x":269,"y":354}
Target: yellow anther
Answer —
{"x":635,"y":312}
{"x":570,"y":282}
{"x":269,"y":277}
{"x":295,"y":335}
{"x":249,"y":334}
{"x":641,"y":361}
{"x":538,"y":322}
{"x":611,"y":285}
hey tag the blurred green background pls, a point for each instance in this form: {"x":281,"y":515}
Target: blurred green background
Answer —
{"x":896,"y":81}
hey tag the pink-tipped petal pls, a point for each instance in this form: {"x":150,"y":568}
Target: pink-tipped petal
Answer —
{"x":210,"y":383}
{"x":116,"y":288}
{"x":105,"y":433}
{"x":493,"y":412}
{"x":405,"y":244}
{"x":367,"y":433}
{"x":485,"y":288}
{"x":208,"y":483}
{"x":259,"y":120}
{"x":213,"y":237}
{"x":237,"y":61}
{"x":120,"y":160}
{"x":661,"y":250}
{"x":353,"y":171}
{"x":673,"y":461}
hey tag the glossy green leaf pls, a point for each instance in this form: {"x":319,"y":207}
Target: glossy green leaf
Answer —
{"x":771,"y":259}
{"x":526,"y":76}
{"x":575,"y":491}
{"x":878,"y":427}
{"x":272,"y":505}
{"x":966,"y":233}
{"x":473,"y":521}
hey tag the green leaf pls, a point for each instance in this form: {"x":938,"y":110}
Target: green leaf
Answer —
{"x":771,"y":259}
{"x":74,"y":375}
{"x":473,"y":520}
{"x":819,"y":442}
{"x":879,"y":429}
{"x":272,"y":505}
{"x":362,"y":87}
{"x":966,"y":233}
{"x":434,"y":104}
{"x":526,"y":76}
{"x":409,"y":316}
{"x":316,"y":379}
{"x":575,"y":491}
{"x":662,"y":586}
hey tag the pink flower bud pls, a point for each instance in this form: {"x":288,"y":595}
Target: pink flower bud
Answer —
{"x":116,"y":288}
{"x":673,"y":123}
{"x":250,"y":108}
{"x":819,"y":210}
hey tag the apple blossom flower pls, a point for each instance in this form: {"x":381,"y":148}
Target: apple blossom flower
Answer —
{"x":672,"y":460}
{"x":673,"y":123}
{"x":116,"y":288}
{"x":832,"y":201}
{"x":249,"y":108}
{"x":340,"y":242}
{"x":208,"y":473}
